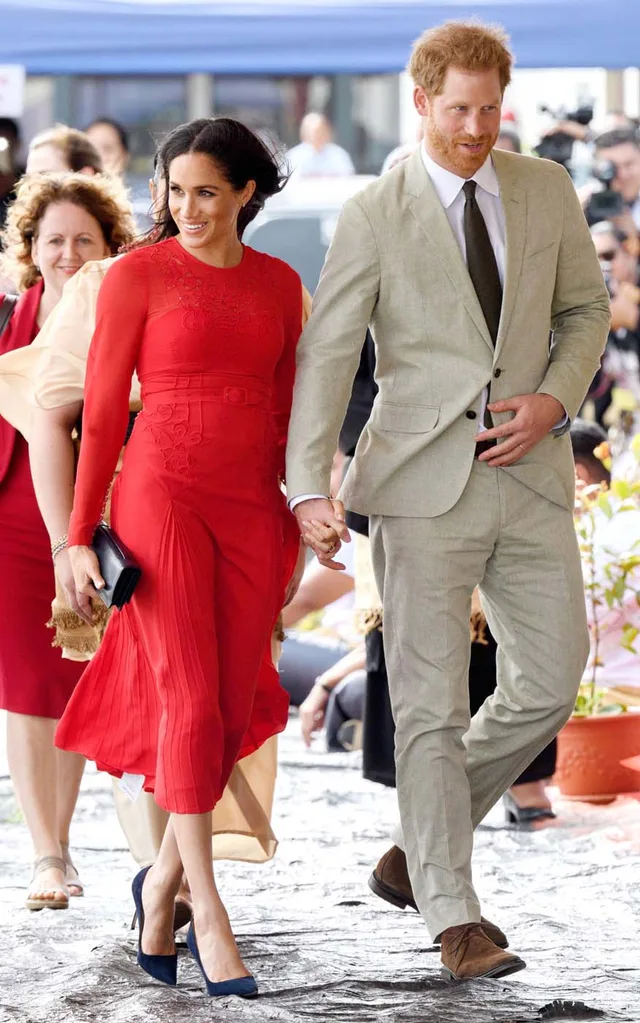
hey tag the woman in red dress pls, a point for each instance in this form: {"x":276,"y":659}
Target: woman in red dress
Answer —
{"x":53,"y":227}
{"x":183,"y":684}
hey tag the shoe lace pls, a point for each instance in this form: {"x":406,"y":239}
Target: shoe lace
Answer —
{"x":463,"y":938}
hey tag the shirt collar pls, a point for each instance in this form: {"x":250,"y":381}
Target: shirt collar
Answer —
{"x":448,"y":185}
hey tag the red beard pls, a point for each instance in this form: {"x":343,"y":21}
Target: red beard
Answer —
{"x":452,"y":155}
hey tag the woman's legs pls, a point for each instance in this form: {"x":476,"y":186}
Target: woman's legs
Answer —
{"x":160,"y":888}
{"x":216,"y":943}
{"x":46,"y":784}
{"x":187,"y":846}
{"x":70,"y":767}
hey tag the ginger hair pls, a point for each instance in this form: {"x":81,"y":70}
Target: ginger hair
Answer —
{"x":466,"y":45}
{"x":104,"y":198}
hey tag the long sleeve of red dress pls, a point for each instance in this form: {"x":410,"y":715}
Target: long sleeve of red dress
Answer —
{"x":120,"y":320}
{"x":284,"y":378}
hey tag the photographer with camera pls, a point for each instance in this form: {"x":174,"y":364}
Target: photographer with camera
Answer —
{"x":618,"y":167}
{"x":621,"y":360}
{"x":566,"y":141}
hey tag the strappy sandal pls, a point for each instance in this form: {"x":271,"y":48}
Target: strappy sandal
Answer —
{"x":71,"y":882}
{"x":36,"y":899}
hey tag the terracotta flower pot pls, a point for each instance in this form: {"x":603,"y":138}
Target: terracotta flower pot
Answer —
{"x":589,"y":754}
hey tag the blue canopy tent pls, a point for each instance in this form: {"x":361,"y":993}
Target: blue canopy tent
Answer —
{"x":297,"y":37}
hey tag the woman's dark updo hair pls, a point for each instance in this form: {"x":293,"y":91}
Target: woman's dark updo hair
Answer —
{"x":238,"y":153}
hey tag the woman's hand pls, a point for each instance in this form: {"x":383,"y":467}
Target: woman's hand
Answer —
{"x":64,"y":574}
{"x":312,"y":712}
{"x":87,"y":578}
{"x":296,"y":578}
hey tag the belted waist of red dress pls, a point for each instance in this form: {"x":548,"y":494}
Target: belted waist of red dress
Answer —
{"x":227,"y":388}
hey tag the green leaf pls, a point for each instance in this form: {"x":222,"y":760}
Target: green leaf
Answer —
{"x":629,"y":634}
{"x":611,"y":708}
{"x":621,"y":489}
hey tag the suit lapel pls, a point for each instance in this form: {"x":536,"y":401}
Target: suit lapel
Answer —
{"x":432,"y":219}
{"x":515,"y":214}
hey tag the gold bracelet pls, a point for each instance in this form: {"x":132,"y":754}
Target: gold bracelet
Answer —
{"x":59,"y":546}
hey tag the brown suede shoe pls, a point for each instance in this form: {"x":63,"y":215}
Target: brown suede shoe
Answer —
{"x":467,"y":954}
{"x":390,"y":881}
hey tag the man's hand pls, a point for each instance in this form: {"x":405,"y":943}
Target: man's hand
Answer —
{"x":535,"y":415}
{"x":323,"y":529}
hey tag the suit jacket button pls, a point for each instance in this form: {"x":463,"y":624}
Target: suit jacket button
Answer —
{"x":497,"y":373}
{"x":471,"y":414}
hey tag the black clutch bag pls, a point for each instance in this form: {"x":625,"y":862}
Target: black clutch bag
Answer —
{"x":117,"y":567}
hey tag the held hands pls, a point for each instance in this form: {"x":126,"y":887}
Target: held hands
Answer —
{"x":87,"y":580}
{"x":322,"y":526}
{"x":534,"y":417}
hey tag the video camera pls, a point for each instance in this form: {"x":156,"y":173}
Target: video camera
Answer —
{"x":605,"y":204}
{"x":558,"y":145}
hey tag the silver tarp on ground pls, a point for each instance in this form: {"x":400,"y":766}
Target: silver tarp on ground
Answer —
{"x":322,"y":947}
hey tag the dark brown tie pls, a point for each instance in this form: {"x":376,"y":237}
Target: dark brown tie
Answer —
{"x":481,"y":261}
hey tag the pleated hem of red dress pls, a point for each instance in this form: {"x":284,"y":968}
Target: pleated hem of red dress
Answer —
{"x":254,"y":739}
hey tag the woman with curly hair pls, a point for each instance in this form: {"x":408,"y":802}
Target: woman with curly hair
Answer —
{"x":55,"y":225}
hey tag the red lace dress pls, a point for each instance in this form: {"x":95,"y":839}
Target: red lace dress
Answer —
{"x":183,"y":684}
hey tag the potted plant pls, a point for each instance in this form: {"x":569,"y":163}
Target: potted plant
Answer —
{"x":603,"y":731}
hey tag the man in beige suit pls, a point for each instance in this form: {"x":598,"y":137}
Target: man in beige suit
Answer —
{"x":463,"y":262}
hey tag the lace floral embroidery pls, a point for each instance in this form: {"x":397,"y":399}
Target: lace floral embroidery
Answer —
{"x":173,"y":434}
{"x":202,"y":306}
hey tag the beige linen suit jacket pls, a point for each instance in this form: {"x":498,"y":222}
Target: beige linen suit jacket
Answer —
{"x":394,"y":264}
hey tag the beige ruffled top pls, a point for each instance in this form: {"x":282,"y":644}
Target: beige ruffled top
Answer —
{"x":51,"y":371}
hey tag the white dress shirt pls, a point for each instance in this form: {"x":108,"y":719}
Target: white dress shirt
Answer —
{"x":448,"y":188}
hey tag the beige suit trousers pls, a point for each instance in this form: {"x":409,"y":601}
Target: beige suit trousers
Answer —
{"x":521,"y":550}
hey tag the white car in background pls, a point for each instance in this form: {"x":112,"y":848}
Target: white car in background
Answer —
{"x":297,"y":225}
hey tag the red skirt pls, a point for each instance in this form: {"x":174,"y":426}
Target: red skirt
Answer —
{"x":183,"y":684}
{"x":34,"y":678}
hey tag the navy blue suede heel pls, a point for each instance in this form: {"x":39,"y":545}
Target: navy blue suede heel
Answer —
{"x":244,"y":987}
{"x":162,"y":968}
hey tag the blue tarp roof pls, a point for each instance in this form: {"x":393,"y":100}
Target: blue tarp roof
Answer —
{"x":101,"y":37}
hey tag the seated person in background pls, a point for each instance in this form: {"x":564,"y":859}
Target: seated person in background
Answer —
{"x":319,"y":663}
{"x":317,"y":155}
{"x":620,"y":667}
